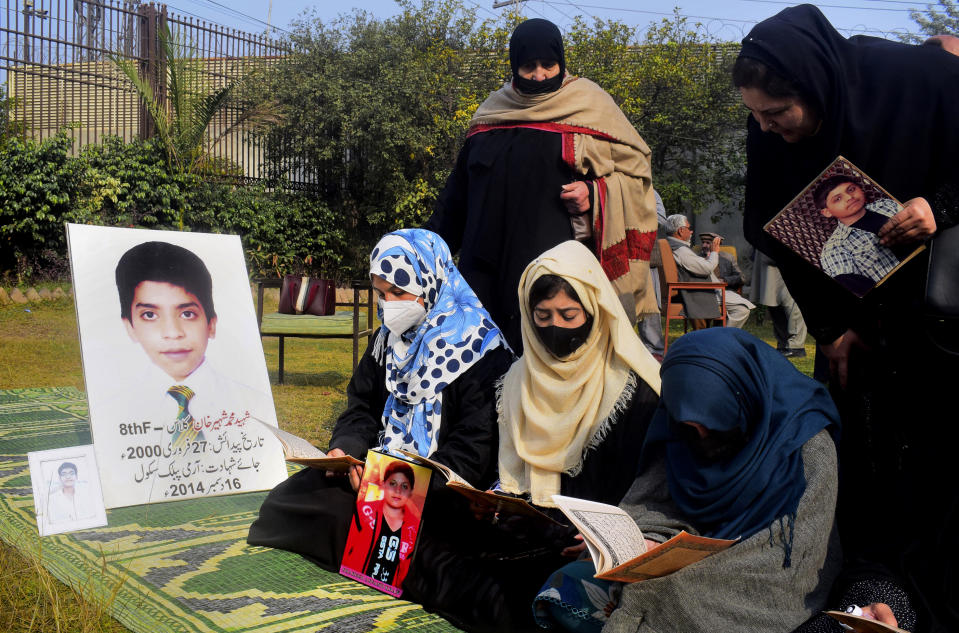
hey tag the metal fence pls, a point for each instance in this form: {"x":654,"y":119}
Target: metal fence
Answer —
{"x":58,"y":59}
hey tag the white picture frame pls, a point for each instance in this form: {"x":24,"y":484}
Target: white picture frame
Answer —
{"x":66,"y":489}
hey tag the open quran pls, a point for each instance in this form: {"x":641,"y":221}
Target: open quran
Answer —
{"x":618,"y":547}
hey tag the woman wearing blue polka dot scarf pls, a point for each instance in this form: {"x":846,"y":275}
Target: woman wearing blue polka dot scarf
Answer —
{"x":425,"y":385}
{"x":434,"y":330}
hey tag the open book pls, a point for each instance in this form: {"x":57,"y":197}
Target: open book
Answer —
{"x":496,"y":501}
{"x":618,"y":548}
{"x":299,"y":451}
{"x":833,"y":225}
{"x":862,"y":624}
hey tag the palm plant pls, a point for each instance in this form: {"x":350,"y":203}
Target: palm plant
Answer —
{"x":183,"y":117}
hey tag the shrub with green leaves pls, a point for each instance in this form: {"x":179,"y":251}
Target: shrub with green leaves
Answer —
{"x":127,"y":184}
{"x":39,"y":187}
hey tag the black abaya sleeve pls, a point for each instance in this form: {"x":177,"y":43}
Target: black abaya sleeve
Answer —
{"x":449,"y":216}
{"x":358,"y":428}
{"x":469,"y":437}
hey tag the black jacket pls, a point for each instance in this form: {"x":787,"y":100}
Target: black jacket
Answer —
{"x":500,"y":209}
{"x":468,"y":438}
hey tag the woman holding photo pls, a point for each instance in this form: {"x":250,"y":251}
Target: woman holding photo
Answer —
{"x":425,"y":385}
{"x":890,"y":109}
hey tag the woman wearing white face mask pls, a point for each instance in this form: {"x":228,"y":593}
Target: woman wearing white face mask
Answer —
{"x":425,"y":385}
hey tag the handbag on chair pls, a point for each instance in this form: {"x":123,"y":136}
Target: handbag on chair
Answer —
{"x":307,"y":295}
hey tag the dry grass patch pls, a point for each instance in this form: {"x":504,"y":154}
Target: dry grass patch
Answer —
{"x":32,"y":600}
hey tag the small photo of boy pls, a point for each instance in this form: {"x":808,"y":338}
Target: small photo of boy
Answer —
{"x":173,"y":364}
{"x":66,"y":490}
{"x":69,"y":498}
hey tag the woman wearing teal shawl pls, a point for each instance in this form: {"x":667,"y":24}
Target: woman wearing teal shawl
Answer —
{"x":742,"y":446}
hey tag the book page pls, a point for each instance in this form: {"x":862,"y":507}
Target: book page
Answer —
{"x":678,"y":552}
{"x":333,"y":464}
{"x":615,"y":533}
{"x":500,"y":502}
{"x":611,"y":535}
{"x":448,"y":472}
{"x":295,"y":446}
{"x":299,"y":451}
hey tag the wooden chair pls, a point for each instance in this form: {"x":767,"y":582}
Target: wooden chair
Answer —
{"x":670,"y":286}
{"x":339,"y":325}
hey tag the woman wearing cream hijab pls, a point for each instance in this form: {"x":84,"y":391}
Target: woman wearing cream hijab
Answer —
{"x":574,"y":409}
{"x":572,"y":420}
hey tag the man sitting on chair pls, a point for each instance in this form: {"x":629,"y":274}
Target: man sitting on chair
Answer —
{"x":702,"y":304}
{"x":728,"y":269}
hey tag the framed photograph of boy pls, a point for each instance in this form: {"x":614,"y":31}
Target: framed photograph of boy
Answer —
{"x":66,"y":490}
{"x":383,"y":530}
{"x":834,"y":223}
{"x":173,"y":365}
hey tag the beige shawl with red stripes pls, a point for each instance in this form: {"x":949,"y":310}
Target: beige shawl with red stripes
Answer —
{"x":599,"y":143}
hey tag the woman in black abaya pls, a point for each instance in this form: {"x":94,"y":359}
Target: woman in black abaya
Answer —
{"x":545,"y":151}
{"x":891,"y":109}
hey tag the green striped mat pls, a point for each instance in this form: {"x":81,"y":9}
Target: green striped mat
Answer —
{"x":181,"y":566}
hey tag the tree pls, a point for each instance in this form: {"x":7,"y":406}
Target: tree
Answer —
{"x":674,"y":87}
{"x":378,"y":110}
{"x":934,"y":21}
{"x":183,"y":118}
{"x":9,"y":126}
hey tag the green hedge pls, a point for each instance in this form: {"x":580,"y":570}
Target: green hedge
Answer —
{"x":127,"y":184}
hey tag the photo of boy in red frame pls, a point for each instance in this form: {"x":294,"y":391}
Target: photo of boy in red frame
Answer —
{"x":384,"y":528}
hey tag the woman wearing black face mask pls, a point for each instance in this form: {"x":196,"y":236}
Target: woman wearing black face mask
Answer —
{"x":544,"y":152}
{"x":572,"y":413}
{"x":575,"y":407}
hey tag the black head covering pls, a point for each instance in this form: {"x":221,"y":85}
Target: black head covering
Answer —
{"x":536,"y":39}
{"x":888,"y":107}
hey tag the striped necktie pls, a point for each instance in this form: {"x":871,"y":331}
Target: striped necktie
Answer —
{"x":185,"y":431}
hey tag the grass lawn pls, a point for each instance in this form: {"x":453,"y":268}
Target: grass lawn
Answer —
{"x":39,"y":347}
